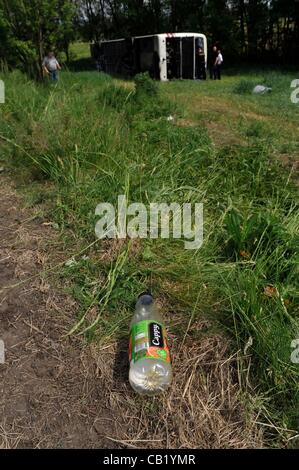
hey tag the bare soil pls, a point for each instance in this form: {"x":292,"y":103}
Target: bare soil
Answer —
{"x":50,"y":396}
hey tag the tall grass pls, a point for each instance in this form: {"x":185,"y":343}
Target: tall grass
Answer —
{"x":95,"y":138}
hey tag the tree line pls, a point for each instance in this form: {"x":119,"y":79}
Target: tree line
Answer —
{"x":249,"y":30}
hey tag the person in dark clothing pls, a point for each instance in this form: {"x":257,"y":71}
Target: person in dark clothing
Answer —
{"x":213,"y":57}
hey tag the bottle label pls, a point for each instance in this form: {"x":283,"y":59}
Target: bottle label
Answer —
{"x":148,"y":339}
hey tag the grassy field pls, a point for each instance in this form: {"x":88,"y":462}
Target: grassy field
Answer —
{"x":90,"y":138}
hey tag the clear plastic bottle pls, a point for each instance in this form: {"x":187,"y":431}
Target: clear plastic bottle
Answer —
{"x":150,"y":364}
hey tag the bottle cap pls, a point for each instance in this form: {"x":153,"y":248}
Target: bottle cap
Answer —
{"x":145,"y":298}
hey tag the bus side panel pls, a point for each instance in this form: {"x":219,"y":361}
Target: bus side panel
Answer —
{"x":161,"y":50}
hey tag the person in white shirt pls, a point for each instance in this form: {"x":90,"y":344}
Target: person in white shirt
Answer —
{"x":51,"y":66}
{"x":218,"y":63}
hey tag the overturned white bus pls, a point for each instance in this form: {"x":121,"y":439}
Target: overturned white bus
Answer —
{"x":164,"y":56}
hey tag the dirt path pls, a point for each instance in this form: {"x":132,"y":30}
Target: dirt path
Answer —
{"x":50,"y":393}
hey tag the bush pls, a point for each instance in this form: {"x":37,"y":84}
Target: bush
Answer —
{"x":144,"y":85}
{"x":244,"y":87}
{"x":114,"y":96}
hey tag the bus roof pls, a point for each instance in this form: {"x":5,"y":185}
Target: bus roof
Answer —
{"x":161,"y":35}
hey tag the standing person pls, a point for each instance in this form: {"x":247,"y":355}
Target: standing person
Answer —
{"x":214,"y":55}
{"x":51,"y":66}
{"x":218,"y":63}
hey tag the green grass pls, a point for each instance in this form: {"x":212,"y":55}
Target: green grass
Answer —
{"x":79,"y":57}
{"x":91,"y":138}
{"x":80,"y":50}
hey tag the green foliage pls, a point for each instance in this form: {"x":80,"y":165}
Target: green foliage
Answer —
{"x":114,"y":96}
{"x":31,"y":27}
{"x":244,"y":87}
{"x":257,"y":130}
{"x":145,"y":86}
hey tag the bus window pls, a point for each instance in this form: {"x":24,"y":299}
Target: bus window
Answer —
{"x":155,"y":71}
{"x":188,"y":65}
{"x":200,"y":60}
{"x":173,"y":57}
{"x":199,"y":43}
{"x":144,"y":50}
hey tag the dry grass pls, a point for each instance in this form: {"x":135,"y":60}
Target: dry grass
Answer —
{"x":202,"y":409}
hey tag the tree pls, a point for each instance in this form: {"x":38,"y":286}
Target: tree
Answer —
{"x":33,"y":26}
{"x":65,"y":32}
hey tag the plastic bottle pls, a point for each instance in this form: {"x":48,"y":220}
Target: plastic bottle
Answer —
{"x":150,"y":364}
